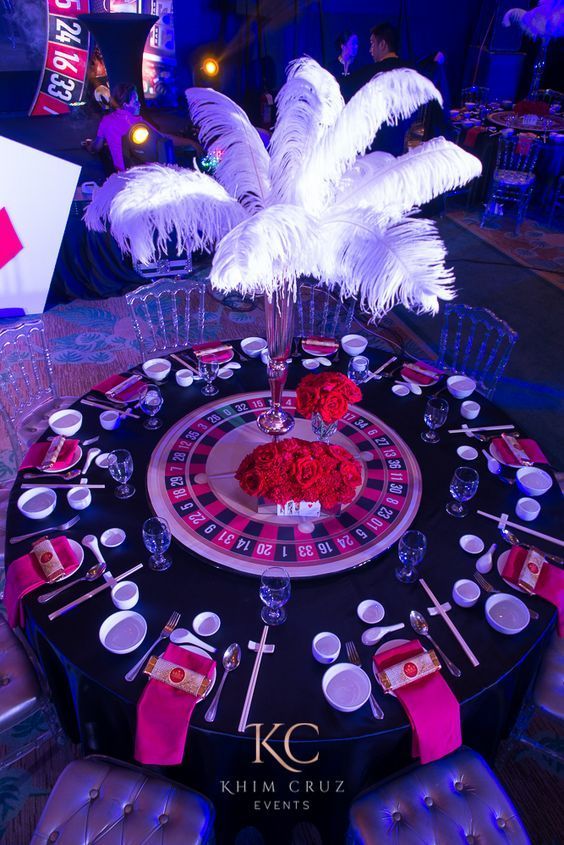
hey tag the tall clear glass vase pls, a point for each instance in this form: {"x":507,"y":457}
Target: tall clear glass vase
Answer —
{"x":279,"y":316}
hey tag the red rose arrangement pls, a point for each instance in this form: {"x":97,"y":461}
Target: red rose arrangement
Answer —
{"x":328,"y":394}
{"x":300,"y":471}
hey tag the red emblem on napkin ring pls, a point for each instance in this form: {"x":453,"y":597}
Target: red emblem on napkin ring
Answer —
{"x":177,"y":675}
{"x":532,"y":567}
{"x":410,"y":669}
{"x":45,"y":557}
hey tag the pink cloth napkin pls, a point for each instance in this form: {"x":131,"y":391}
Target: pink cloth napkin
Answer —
{"x":432,"y":709}
{"x":419,"y":378}
{"x":328,"y":348}
{"x":524,"y":142}
{"x":25,"y":575}
{"x":472,"y":136}
{"x":550,"y":584}
{"x":224,"y":352}
{"x":37,"y":452}
{"x":128,"y":395}
{"x":163,"y":712}
{"x":531,"y":447}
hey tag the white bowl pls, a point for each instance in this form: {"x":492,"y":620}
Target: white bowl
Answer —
{"x":533,"y":481}
{"x":206,"y":624}
{"x":184,"y":378}
{"x":123,"y":631}
{"x":507,"y":614}
{"x":112,"y":537}
{"x":66,"y":422}
{"x":157,"y":368}
{"x":346,"y":687}
{"x":465,"y":592}
{"x":470,"y":410}
{"x":79,"y":497}
{"x":110,"y":420}
{"x":253,"y":346}
{"x":37,"y":503}
{"x":471,"y":544}
{"x":527,"y":509}
{"x":467,"y":453}
{"x":354,"y":344}
{"x":401,"y":389}
{"x":326,"y":647}
{"x":370,"y":611}
{"x":125,"y":594}
{"x":461,"y":386}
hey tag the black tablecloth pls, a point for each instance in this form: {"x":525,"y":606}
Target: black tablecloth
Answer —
{"x":98,"y":706}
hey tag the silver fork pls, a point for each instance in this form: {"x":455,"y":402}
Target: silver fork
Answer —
{"x":165,"y":633}
{"x":489,"y":588}
{"x":64,"y":527}
{"x":353,"y":657}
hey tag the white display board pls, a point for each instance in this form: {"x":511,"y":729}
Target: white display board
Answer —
{"x":36,"y":192}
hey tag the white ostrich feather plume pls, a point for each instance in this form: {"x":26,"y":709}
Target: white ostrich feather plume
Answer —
{"x":546,"y":20}
{"x":387,"y":98}
{"x":394,"y":186}
{"x":307,"y":104}
{"x":158,"y":200}
{"x":382,"y":266}
{"x":313,"y":205}
{"x":243,"y":166}
{"x":274,"y":247}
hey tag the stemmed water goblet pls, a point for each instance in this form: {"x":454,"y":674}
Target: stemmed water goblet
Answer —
{"x":436,"y":413}
{"x":411,"y":551}
{"x":208,"y":370}
{"x":463,"y":486}
{"x":274,"y":593}
{"x":156,"y":537}
{"x":151,"y":403}
{"x":120,"y":466}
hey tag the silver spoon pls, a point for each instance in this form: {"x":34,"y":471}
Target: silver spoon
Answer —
{"x":373,"y":635}
{"x":91,"y":575}
{"x":231,"y":660}
{"x":420,"y":626}
{"x":513,"y":540}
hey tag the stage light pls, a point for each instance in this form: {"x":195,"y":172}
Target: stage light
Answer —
{"x":138,"y":134}
{"x":210,"y":66}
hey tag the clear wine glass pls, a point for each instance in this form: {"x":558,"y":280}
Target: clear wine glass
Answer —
{"x":208,"y":370}
{"x":151,"y":403}
{"x":463,"y":486}
{"x":156,"y":537}
{"x":274,"y":593}
{"x":411,"y":551}
{"x":120,"y":466}
{"x":436,"y":413}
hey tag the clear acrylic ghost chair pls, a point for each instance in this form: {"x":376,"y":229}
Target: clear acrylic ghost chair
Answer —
{"x":321,"y":313}
{"x":10,"y":459}
{"x":27,"y":386}
{"x":477,"y":343}
{"x":477,"y":94}
{"x":167,"y":315}
{"x":513,"y":180}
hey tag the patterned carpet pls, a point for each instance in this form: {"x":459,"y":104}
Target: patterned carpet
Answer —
{"x":536,"y":246}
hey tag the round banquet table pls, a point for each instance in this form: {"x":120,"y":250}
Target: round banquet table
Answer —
{"x":98,"y":707}
{"x":511,"y":120}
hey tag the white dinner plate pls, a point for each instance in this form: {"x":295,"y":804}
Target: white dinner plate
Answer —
{"x":78,"y":552}
{"x":123,"y":632}
{"x":202,"y":653}
{"x":59,"y":470}
{"x":501,"y":561}
{"x":495,"y":453}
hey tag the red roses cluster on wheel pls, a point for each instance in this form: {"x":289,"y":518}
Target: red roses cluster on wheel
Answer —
{"x":328,"y":394}
{"x":299,"y":471}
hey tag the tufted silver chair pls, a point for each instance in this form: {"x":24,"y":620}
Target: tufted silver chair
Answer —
{"x":21,"y":693}
{"x":101,"y":800}
{"x":456,"y":799}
